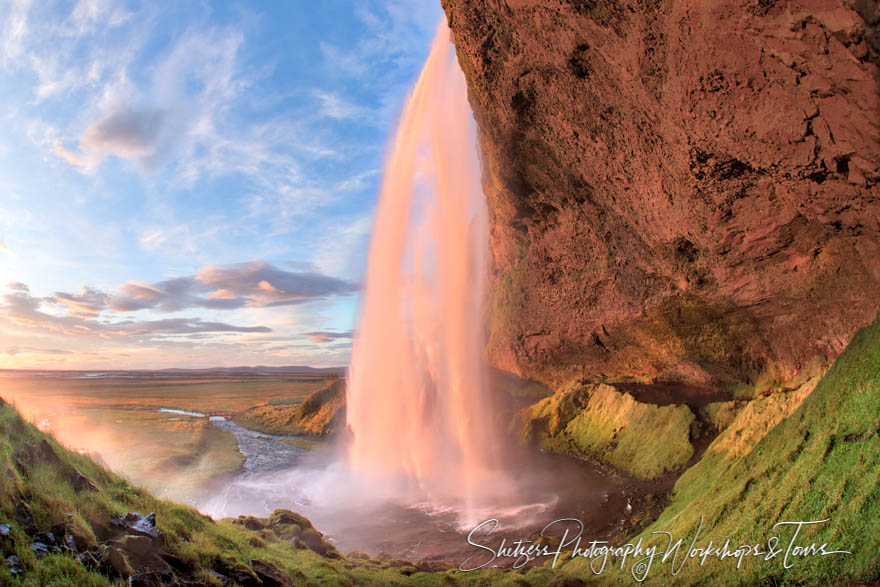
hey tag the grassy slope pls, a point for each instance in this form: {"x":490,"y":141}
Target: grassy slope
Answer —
{"x":821,"y":462}
{"x":195,"y":539}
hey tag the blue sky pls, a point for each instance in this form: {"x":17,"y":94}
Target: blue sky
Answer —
{"x":193,"y":184}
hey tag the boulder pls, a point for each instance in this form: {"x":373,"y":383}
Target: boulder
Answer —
{"x":82,"y":483}
{"x":136,"y":524}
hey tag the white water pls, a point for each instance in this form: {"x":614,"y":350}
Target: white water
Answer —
{"x":418,"y":408}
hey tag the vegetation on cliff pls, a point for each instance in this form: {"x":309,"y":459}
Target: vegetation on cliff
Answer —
{"x":642,"y":439}
{"x":65,"y":520}
{"x":320,"y":414}
{"x":819,"y":463}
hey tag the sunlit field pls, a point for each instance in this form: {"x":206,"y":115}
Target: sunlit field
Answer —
{"x":152,"y":428}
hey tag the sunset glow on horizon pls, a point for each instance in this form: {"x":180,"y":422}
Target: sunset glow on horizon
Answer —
{"x":193,"y":185}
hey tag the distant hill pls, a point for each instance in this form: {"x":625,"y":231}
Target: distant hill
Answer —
{"x":291,"y":369}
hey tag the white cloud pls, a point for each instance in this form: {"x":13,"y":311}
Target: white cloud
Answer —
{"x":333,"y":106}
{"x":15,"y":29}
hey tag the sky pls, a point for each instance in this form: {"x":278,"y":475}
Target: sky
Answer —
{"x":193,"y":184}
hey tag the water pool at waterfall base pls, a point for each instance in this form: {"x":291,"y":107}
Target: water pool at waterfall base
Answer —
{"x":358,"y":514}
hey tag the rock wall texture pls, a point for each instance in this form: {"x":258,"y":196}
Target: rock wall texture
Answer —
{"x":677,"y":188}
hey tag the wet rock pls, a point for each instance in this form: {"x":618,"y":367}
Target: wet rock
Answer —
{"x":156,"y":573}
{"x":90,"y":560}
{"x":269,"y":574}
{"x":48,"y":538}
{"x":40,"y":549}
{"x":13,"y":564}
{"x":136,"y":524}
{"x":82,"y":483}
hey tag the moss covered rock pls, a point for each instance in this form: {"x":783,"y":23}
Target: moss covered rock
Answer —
{"x":598,"y":421}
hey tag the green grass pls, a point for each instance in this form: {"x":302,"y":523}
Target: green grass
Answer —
{"x":821,"y":462}
{"x":175,"y":456}
{"x":190,"y":536}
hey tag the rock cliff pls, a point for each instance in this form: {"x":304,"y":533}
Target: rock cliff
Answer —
{"x":677,"y":188}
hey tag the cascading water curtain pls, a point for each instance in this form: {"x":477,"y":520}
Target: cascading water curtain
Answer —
{"x":417,"y":400}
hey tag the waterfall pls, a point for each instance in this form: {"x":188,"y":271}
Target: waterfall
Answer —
{"x":418,"y":407}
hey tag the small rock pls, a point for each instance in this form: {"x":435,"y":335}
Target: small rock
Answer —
{"x":46,"y":453}
{"x":90,"y":560}
{"x":12,"y":563}
{"x":134,"y":523}
{"x":269,"y":574}
{"x":82,"y":483}
{"x":40,"y":549}
{"x":4,"y":530}
{"x":46,"y":538}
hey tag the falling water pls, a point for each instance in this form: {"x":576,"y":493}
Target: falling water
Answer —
{"x":417,"y":400}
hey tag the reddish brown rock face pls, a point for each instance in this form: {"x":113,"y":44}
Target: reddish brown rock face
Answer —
{"x":677,"y":188}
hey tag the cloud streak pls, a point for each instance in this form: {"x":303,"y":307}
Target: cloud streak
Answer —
{"x":24,"y":310}
{"x":254,"y":284}
{"x":319,"y":337}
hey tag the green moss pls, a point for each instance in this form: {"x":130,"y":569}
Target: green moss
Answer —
{"x":821,"y":462}
{"x":642,"y":439}
{"x":597,"y":421}
{"x":720,"y":414}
